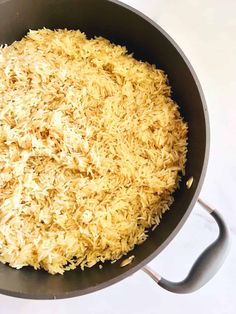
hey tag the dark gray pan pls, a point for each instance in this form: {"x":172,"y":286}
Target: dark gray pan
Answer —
{"x":125,"y":26}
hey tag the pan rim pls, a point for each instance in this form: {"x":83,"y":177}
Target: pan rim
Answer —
{"x":182,"y":221}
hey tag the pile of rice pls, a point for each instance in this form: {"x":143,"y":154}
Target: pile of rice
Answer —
{"x":91,"y":148}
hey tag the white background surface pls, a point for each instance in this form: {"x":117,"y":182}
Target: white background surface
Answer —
{"x":206,"y":32}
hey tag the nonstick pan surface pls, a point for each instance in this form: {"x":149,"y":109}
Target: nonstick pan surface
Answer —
{"x":125,"y":26}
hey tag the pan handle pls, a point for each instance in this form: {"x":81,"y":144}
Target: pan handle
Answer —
{"x":207,"y":264}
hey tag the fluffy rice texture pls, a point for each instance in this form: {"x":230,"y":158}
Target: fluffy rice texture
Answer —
{"x":91,"y":148}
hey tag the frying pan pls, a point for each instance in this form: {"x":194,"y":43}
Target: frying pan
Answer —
{"x":125,"y":26}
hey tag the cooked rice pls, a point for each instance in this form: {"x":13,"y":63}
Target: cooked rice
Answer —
{"x":91,"y":148}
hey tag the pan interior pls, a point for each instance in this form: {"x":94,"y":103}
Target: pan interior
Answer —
{"x":149,"y":43}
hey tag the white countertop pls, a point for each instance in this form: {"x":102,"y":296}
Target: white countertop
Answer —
{"x":206,"y":32}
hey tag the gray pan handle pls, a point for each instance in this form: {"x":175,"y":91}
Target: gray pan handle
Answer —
{"x":207,"y":264}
